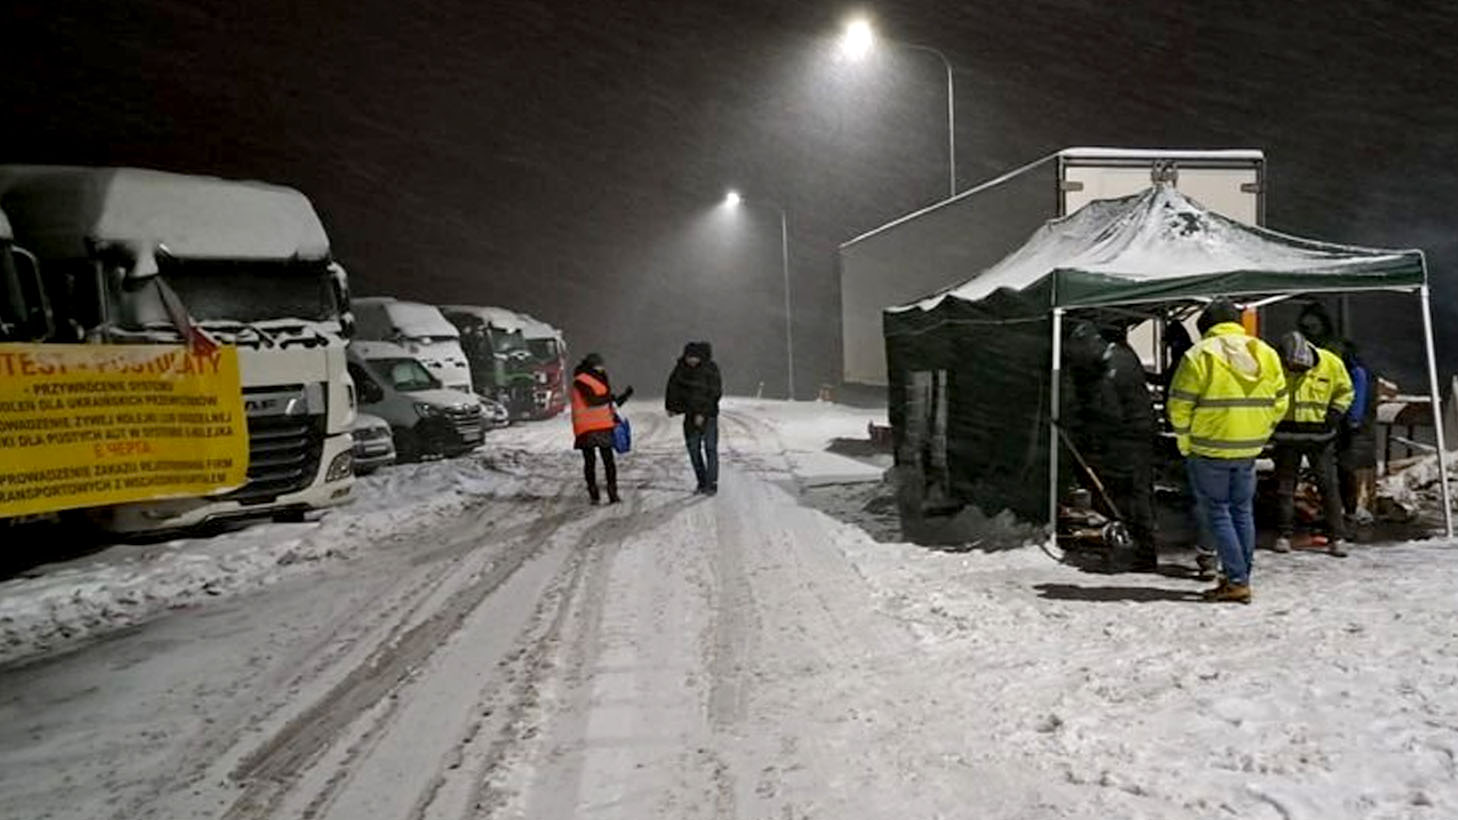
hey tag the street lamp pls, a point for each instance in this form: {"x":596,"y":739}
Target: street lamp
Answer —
{"x":856,"y":42}
{"x":732,"y":199}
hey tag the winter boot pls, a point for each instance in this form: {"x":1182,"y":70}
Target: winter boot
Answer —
{"x":1337,"y":548}
{"x":593,"y":495}
{"x":613,"y":494}
{"x":1228,"y":593}
{"x":1283,"y":544}
{"x":1205,"y":564}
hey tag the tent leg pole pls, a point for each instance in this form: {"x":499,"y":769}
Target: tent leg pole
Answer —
{"x":1437,"y":410}
{"x":1055,"y":403}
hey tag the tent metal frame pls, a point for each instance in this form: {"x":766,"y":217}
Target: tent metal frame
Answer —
{"x":1425,"y":298}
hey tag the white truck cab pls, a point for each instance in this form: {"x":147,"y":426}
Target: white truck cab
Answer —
{"x":251,"y":264}
{"x":25,"y":315}
{"x":421,"y":330}
{"x":425,"y":417}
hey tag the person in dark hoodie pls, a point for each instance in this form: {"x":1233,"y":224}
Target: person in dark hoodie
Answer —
{"x":593,"y":420}
{"x":1115,"y":428}
{"x":694,"y":389}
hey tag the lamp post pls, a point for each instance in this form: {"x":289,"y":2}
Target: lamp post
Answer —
{"x":732,"y":199}
{"x":857,"y":41}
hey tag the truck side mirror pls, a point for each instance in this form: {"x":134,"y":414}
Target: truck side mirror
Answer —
{"x":339,"y":285}
{"x":39,"y":321}
{"x":371,"y":393}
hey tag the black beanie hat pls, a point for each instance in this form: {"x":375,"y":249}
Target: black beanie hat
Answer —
{"x":1219,"y":312}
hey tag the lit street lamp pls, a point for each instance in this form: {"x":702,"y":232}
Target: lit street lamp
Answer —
{"x":857,"y":42}
{"x":732,"y":199}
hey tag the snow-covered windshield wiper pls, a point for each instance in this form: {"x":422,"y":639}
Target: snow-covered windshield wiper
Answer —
{"x":234,"y":325}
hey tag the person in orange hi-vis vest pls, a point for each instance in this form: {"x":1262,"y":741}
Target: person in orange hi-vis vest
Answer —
{"x":593,"y":419}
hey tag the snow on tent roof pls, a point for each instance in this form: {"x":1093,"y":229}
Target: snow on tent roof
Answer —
{"x":500,"y":318}
{"x":413,"y":319}
{"x":59,"y":209}
{"x":1160,"y":245}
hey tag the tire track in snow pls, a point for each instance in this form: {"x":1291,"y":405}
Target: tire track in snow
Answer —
{"x":268,"y":772}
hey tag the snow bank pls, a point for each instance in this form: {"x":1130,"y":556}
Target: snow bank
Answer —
{"x":128,"y":584}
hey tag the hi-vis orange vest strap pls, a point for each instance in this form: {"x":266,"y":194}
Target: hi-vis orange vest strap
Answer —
{"x":587,"y":418}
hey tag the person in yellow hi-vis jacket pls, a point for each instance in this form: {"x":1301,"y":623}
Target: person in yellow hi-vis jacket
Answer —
{"x":1321,"y":393}
{"x":1228,"y":394}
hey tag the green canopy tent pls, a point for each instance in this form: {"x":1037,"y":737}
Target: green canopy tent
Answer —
{"x":968,"y":364}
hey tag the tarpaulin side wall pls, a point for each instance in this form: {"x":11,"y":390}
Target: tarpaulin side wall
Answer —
{"x":995,"y":355}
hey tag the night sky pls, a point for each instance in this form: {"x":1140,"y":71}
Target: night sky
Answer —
{"x":568,"y":159}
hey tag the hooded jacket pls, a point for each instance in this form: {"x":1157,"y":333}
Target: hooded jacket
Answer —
{"x":694,"y":390}
{"x":1228,"y":395}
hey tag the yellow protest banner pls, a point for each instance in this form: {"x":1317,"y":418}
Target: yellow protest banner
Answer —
{"x":88,"y":425}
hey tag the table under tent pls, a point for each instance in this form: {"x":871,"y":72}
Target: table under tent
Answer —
{"x":976,"y":388}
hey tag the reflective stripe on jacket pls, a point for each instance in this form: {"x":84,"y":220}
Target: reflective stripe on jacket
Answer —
{"x":1227,"y":395}
{"x":588,"y":418}
{"x":1326,"y":386}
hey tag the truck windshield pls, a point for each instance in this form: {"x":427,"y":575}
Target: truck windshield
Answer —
{"x":235,"y":291}
{"x":406,"y":375}
{"x":506,"y":341}
{"x":543,"y":350}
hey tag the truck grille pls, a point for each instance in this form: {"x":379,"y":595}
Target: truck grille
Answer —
{"x":466,"y":421}
{"x":283,"y":457}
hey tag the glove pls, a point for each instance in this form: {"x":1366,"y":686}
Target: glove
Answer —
{"x":699,"y":421}
{"x":1334,"y":418}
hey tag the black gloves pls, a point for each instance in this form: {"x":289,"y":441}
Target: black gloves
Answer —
{"x":1334,"y":418}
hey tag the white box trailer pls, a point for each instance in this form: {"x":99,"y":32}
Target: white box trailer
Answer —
{"x":925,"y":251}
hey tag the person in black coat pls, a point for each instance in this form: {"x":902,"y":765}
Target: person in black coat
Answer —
{"x":593,"y":419}
{"x":1115,"y":427}
{"x":694,"y":389}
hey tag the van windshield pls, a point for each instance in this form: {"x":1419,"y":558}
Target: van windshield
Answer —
{"x":233,"y":290}
{"x":405,"y":375}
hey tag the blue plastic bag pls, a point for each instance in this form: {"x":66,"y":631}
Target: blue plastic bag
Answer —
{"x":622,"y":435}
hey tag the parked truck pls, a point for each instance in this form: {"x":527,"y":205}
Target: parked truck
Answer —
{"x":501,"y":363}
{"x":25,"y":315}
{"x":549,"y":365}
{"x":118,"y":248}
{"x":925,"y":251}
{"x":422,"y":331}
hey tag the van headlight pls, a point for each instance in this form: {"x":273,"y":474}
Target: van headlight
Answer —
{"x":425,"y":411}
{"x":341,"y":467}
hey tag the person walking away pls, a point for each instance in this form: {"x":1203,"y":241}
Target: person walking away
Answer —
{"x":1116,"y":431}
{"x":1321,"y":393}
{"x":694,"y":390}
{"x":1356,"y":442}
{"x":593,"y":420}
{"x":1227,"y":396}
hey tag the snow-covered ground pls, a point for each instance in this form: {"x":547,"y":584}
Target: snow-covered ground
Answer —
{"x":473,"y":641}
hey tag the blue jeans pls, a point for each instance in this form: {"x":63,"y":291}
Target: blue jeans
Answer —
{"x":1225,"y":498}
{"x":703,"y":447}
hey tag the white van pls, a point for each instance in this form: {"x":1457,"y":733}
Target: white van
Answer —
{"x":425,"y":417}
{"x":421,"y":330}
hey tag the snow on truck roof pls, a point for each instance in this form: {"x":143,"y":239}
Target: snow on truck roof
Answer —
{"x":1163,"y":153}
{"x":59,"y":209}
{"x":1216,"y":155}
{"x":415,"y":319}
{"x":497,"y":317}
{"x":509,"y":320}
